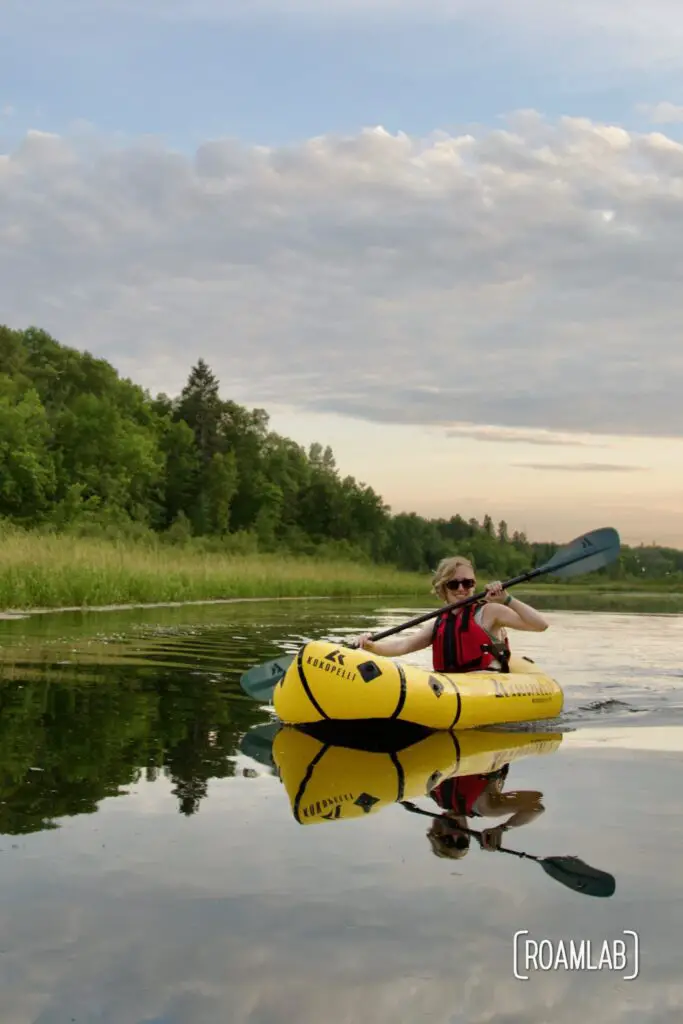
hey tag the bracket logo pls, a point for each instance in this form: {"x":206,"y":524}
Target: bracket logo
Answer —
{"x":336,"y":656}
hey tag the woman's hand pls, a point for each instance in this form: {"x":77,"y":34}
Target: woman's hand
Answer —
{"x":495,"y":593}
{"x":491,"y":838}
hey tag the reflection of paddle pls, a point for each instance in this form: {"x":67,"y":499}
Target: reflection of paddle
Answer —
{"x":592,"y":551}
{"x":570,"y":871}
{"x":257,"y":742}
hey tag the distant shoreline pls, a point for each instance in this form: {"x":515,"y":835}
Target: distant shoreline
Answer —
{"x":15,"y":614}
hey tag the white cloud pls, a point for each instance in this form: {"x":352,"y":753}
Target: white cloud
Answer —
{"x":661,"y":113}
{"x":583,"y":467}
{"x":510,"y":435}
{"x":444,"y":280}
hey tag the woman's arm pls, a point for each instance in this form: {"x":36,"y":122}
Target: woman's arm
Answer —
{"x":393,"y":647}
{"x":515,"y":615}
{"x":502,"y":609}
{"x":491,"y":838}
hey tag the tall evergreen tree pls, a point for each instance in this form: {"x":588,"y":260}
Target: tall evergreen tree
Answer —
{"x":200,"y":407}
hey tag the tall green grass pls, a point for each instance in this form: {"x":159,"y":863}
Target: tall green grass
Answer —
{"x":39,"y":570}
{"x":62,"y":570}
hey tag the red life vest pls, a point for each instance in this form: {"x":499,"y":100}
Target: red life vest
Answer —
{"x":459,"y":794}
{"x":459,"y":644}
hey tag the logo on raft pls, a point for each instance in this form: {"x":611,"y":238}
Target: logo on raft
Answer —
{"x":334,"y":662}
{"x":365,"y":801}
{"x":538,"y":691}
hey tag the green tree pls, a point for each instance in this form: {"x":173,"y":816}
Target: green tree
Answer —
{"x":182,"y":471}
{"x":199,"y":405}
{"x":116,"y":460}
{"x":219,"y":487}
{"x":27,"y":472}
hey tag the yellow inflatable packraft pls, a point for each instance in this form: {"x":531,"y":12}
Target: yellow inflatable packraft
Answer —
{"x":325,"y":782}
{"x":330,"y":682}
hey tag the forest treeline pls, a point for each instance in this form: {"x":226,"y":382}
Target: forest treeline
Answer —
{"x":84,"y":450}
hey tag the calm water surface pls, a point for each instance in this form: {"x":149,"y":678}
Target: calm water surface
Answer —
{"x":152,"y":868}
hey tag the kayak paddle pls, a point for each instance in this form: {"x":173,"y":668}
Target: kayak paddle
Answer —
{"x":587,"y":553}
{"x":257,"y":743}
{"x":569,"y":871}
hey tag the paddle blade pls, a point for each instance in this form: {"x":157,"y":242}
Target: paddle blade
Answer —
{"x":260,"y":681}
{"x":592,"y":551}
{"x":581,"y":877}
{"x":257,"y":743}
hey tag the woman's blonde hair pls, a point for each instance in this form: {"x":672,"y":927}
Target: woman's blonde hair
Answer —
{"x":441,"y":841}
{"x":444,"y":572}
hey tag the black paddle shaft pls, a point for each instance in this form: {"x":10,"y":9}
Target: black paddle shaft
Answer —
{"x":455,"y":604}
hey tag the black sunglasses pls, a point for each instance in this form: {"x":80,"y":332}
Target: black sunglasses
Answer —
{"x":455,"y":584}
{"x":455,"y":842}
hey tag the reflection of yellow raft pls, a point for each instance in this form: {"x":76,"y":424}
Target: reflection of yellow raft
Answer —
{"x":332,"y":682}
{"x":329,"y":783}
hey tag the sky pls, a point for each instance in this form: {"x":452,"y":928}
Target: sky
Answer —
{"x":442,"y":236}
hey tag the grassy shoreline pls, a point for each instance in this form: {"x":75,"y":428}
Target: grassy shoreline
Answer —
{"x":50,"y":572}
{"x":43,"y":571}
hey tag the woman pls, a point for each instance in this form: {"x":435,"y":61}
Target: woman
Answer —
{"x":464,"y":639}
{"x":478,"y":796}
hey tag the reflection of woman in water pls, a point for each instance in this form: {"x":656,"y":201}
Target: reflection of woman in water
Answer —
{"x":478,"y":796}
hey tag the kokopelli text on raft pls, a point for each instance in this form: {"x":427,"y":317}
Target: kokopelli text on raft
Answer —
{"x":619,"y":955}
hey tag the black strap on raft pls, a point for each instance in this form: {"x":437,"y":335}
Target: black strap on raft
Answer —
{"x":499,"y":650}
